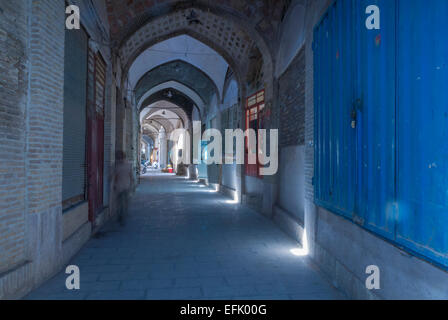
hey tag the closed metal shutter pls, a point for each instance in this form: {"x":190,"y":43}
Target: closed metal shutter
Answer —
{"x":100,"y":83}
{"x":75,"y":87}
{"x":100,"y":99}
{"x":381,"y":109}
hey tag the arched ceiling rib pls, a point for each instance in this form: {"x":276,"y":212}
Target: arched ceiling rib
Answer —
{"x":169,"y":115}
{"x":159,"y":122}
{"x":197,"y":100}
{"x":183,"y":48}
{"x":169,"y":107}
{"x":222,"y":35}
{"x":166,"y":123}
{"x":179,"y":71}
{"x":172,"y":117}
{"x":227,"y":34}
{"x":172,"y":96}
{"x":153,"y":124}
{"x":234,"y":29}
{"x":126,"y":17}
{"x":151,"y":130}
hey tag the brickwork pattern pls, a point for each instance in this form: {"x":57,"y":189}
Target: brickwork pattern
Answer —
{"x":44,"y":152}
{"x":179,"y":71}
{"x":230,"y":34}
{"x":264,"y":14}
{"x":13,"y":87}
{"x":31,"y":126}
{"x":292,"y":103}
{"x":316,"y":9}
{"x":223,"y":33}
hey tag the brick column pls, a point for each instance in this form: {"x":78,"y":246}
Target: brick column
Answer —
{"x":13,"y":99}
{"x":44,"y":137}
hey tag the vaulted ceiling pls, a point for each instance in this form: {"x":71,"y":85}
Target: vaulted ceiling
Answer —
{"x":173,"y":97}
{"x":179,"y":71}
{"x":190,"y":45}
{"x":181,"y":48}
{"x":126,"y":16}
{"x":169,"y":110}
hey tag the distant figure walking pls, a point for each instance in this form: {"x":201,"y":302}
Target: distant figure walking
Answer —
{"x":122,"y":184}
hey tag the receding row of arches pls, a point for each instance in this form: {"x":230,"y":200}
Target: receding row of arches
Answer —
{"x":180,"y":72}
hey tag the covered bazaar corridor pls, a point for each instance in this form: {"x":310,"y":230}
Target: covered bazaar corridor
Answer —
{"x":231,"y":149}
{"x":182,"y":240}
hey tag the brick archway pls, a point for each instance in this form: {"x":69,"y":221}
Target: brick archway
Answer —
{"x":190,"y":76}
{"x":175,"y":85}
{"x":153,"y":108}
{"x":228,"y":34}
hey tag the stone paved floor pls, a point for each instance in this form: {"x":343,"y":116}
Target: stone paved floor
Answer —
{"x":182,"y":241}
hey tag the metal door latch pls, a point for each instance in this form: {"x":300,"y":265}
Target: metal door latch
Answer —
{"x":353,"y":119}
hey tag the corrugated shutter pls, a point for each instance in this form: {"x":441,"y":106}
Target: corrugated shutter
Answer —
{"x":75,"y":87}
{"x":335,"y":68}
{"x":100,"y":93}
{"x":355,"y":81}
{"x":375,"y":87}
{"x":422,"y":163}
{"x":100,"y":78}
{"x":388,"y":172}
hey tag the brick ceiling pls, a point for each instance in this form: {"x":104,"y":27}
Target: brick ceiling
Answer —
{"x":238,"y":30}
{"x":171,"y":96}
{"x":125,"y":15}
{"x":178,"y":71}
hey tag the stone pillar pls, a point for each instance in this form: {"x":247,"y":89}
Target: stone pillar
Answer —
{"x":148,"y":151}
{"x":163,"y":151}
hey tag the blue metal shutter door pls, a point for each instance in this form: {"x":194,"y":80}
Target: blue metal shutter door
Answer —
{"x":423,"y":127}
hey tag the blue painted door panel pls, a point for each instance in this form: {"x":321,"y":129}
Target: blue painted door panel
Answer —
{"x":355,"y":80}
{"x":375,"y":89}
{"x":422,"y":165}
{"x":335,"y":178}
{"x":390,"y":173}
